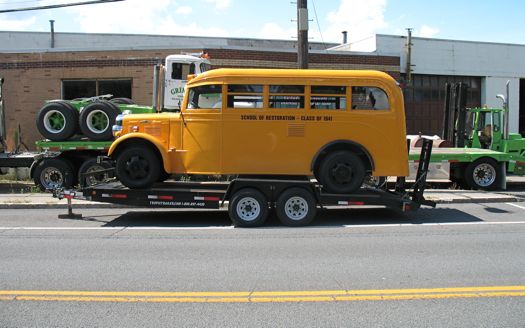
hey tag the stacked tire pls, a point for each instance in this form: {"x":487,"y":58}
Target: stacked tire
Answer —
{"x":59,"y":120}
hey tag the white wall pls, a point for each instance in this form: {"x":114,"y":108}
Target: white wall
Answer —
{"x":493,"y":86}
{"x":496,"y":63}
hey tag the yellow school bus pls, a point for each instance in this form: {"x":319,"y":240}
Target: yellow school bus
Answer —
{"x":336,"y":125}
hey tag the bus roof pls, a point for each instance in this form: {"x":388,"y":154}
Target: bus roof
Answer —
{"x":225,"y":73}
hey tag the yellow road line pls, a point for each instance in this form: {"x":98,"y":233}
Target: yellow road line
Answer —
{"x":263,"y":296}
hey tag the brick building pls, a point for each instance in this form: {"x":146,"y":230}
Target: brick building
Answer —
{"x":35,"y":72}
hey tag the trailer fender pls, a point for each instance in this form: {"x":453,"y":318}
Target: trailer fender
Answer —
{"x":134,"y":137}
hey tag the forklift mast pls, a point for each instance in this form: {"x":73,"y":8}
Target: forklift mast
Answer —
{"x":455,"y":114}
{"x":2,"y":118}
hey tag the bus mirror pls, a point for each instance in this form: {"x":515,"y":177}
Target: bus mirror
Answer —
{"x":191,"y":77}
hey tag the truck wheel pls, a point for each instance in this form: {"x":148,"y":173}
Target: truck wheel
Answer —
{"x":97,"y":119}
{"x":296,"y":207}
{"x":248,"y":208}
{"x":122,"y":101}
{"x":342,"y":172}
{"x":57,"y":121}
{"x":483,"y":174}
{"x":53,"y":173}
{"x":90,"y":166}
{"x":138,"y":167}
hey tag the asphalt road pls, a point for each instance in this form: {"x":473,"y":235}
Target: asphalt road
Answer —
{"x":453,"y":266}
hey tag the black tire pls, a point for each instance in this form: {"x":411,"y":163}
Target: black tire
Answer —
{"x":138,"y":167}
{"x":296,"y":207}
{"x":122,"y":101}
{"x":341,"y":172}
{"x":97,"y":119}
{"x":91,"y":166}
{"x":57,"y":121}
{"x":483,"y":174}
{"x":53,"y":173}
{"x":248,"y":208}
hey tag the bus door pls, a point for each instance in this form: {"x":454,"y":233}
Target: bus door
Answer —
{"x":202,"y":129}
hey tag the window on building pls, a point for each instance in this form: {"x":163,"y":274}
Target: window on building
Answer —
{"x":369,"y":98}
{"x":328,"y":97}
{"x":73,"y":89}
{"x":286,"y":96}
{"x":245,"y":96}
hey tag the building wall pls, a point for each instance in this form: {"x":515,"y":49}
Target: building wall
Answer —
{"x":495,"y":63}
{"x":33,"y":77}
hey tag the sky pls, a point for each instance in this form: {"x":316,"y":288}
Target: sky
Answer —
{"x":489,"y":20}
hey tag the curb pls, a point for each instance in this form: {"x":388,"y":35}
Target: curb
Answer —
{"x":509,"y":199}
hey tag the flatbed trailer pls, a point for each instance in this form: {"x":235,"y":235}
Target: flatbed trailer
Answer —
{"x":474,"y":168}
{"x":295,"y":200}
{"x":58,"y":163}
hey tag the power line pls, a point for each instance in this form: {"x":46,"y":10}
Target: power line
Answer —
{"x":58,"y":6}
{"x":318,"y":25}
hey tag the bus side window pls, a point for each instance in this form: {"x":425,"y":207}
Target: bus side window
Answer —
{"x":245,"y":96}
{"x":286,"y":96}
{"x":369,"y":98}
{"x":328,"y":97}
{"x":205,"y":97}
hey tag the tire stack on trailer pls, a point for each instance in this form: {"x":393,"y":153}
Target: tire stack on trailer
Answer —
{"x":61,"y":121}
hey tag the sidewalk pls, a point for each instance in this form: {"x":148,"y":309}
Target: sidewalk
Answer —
{"x":13,"y":198}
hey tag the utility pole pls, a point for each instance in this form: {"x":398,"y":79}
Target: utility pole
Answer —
{"x":302,"y":33}
{"x":409,"y":57}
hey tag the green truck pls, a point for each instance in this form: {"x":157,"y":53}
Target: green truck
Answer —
{"x":485,"y":151}
{"x":77,"y":131}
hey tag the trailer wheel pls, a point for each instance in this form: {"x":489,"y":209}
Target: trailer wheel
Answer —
{"x":57,"y":121}
{"x":53,"y":173}
{"x":91,"y":166}
{"x":138,"y":167}
{"x":122,"y":101}
{"x":97,"y":119}
{"x":342,"y":172}
{"x":483,"y":174}
{"x":296,"y":207}
{"x":248,"y":208}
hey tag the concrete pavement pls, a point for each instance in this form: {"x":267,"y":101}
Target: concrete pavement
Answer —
{"x":21,"y":195}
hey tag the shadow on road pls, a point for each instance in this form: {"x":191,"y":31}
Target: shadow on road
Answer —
{"x":325,"y":218}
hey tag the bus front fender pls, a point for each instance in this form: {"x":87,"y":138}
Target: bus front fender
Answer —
{"x":134,"y":138}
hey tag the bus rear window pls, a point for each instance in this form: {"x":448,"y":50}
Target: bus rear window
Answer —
{"x":369,"y":98}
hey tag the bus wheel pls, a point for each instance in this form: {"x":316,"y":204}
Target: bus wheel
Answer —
{"x":296,"y":207}
{"x":483,"y":174}
{"x":138,"y":167}
{"x":342,"y":172}
{"x":97,"y":120}
{"x":89,"y":167}
{"x":248,"y":208}
{"x":53,"y":173}
{"x":57,"y":121}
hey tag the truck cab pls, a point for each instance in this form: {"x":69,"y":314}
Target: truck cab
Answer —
{"x":177,"y":69}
